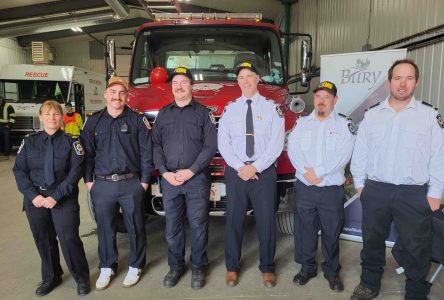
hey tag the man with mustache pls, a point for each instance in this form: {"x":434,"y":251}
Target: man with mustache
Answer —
{"x":184,"y":137}
{"x":117,"y":171}
{"x":319,"y":147}
{"x":398,"y":169}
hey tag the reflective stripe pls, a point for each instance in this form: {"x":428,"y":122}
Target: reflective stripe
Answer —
{"x":6,"y":119}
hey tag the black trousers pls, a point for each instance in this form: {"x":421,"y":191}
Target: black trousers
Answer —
{"x":263,"y":197}
{"x":191,"y":200}
{"x":62,"y":223}
{"x":107,"y":197}
{"x":408,"y":207}
{"x":318,"y":208}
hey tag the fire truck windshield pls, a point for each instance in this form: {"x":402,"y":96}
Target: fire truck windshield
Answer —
{"x":34,"y":91}
{"x":211,"y":53}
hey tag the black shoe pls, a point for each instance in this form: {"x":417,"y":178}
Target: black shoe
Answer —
{"x":363,"y":293}
{"x":302,"y":277}
{"x":45,"y":287}
{"x":172,"y":278}
{"x":197,"y":279}
{"x":335,"y":283}
{"x":83,"y":289}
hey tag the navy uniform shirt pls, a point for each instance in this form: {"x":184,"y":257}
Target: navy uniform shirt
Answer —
{"x":184,"y":138}
{"x":405,"y":147}
{"x":269,"y":133}
{"x":119,"y":145}
{"x":326,"y":146}
{"x":29,"y":164}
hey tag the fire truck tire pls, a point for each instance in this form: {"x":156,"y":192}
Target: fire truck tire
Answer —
{"x":285,"y":222}
{"x":120,"y":223}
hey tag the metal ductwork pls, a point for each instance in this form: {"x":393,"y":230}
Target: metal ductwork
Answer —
{"x":119,"y":7}
{"x":53,"y":24}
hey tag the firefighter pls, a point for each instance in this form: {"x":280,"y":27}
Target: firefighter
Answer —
{"x":7,"y":119}
{"x":398,"y":169}
{"x":118,"y":165}
{"x":250,"y":138}
{"x":185,"y":141}
{"x":47,"y":169}
{"x":319,"y":148}
{"x":72,"y":120}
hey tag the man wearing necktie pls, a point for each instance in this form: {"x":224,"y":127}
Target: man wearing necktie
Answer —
{"x":250,"y":139}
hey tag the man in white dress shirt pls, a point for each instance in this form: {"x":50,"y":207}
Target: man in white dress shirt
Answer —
{"x":319,"y":147}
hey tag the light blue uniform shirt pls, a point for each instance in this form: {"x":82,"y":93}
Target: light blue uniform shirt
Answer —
{"x":268,"y":127}
{"x":326,"y":146}
{"x":405,"y":147}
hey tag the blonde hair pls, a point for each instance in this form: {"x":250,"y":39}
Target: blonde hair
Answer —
{"x":51,"y":104}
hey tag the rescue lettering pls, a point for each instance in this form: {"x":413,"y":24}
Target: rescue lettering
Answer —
{"x":36,"y":74}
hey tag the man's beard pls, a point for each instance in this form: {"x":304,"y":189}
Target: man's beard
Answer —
{"x":321,"y":113}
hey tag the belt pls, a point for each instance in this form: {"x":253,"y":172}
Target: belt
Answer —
{"x":249,"y":162}
{"x":116,"y":177}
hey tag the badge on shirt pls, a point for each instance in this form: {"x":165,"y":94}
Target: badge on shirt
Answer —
{"x":147,"y":123}
{"x":212,"y":118}
{"x":78,"y":148}
{"x":21,"y":146}
{"x":440,"y":121}
{"x":352,"y":128}
{"x":279,"y":112}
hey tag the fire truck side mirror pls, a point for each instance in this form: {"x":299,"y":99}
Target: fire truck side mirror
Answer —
{"x":306,"y":55}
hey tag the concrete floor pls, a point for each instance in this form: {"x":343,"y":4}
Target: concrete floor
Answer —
{"x":20,"y":264}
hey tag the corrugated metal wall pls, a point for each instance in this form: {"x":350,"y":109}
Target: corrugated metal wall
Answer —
{"x":342,"y":26}
{"x":12,"y":53}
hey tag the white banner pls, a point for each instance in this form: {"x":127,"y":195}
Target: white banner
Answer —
{"x":360,"y":78}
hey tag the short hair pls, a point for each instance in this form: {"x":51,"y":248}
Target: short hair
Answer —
{"x":403,"y":61}
{"x":51,"y":104}
{"x":68,"y":104}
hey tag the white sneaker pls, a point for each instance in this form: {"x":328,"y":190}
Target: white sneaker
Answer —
{"x":106,"y":274}
{"x":132,"y":277}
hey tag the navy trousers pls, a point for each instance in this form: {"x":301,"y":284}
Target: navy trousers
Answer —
{"x":408,"y":207}
{"x":107,"y":197}
{"x":190,"y":200}
{"x":62,"y":223}
{"x":318,"y":208}
{"x":263,"y":196}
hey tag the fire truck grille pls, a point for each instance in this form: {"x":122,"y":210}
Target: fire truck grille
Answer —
{"x":23,"y":123}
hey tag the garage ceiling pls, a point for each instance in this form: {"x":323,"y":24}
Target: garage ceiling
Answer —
{"x":42,"y":20}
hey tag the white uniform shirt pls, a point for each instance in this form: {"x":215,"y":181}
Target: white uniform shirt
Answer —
{"x":326,"y":146}
{"x":269,"y":134}
{"x":405,"y":147}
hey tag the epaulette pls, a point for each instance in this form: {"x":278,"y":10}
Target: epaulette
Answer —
{"x":374,"y":105}
{"x":33,"y":133}
{"x":428,"y":104}
{"x":136,"y":111}
{"x":344,"y":116}
{"x":96,"y":112}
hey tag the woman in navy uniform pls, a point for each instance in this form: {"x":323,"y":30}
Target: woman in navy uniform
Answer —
{"x":47,"y":169}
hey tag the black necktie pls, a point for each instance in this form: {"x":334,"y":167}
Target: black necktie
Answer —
{"x":249,"y":131}
{"x":49,"y":162}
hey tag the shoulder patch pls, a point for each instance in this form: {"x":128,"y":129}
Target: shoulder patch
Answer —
{"x":21,"y":146}
{"x":78,"y":148}
{"x":279,"y":112}
{"x":440,"y":121}
{"x":344,"y":116}
{"x":430,"y":105}
{"x":352,"y":128}
{"x":146,"y":122}
{"x":374,"y":105}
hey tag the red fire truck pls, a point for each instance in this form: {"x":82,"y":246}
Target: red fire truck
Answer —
{"x":211,"y":45}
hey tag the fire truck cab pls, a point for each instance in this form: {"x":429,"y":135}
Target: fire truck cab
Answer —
{"x":211,"y":45}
